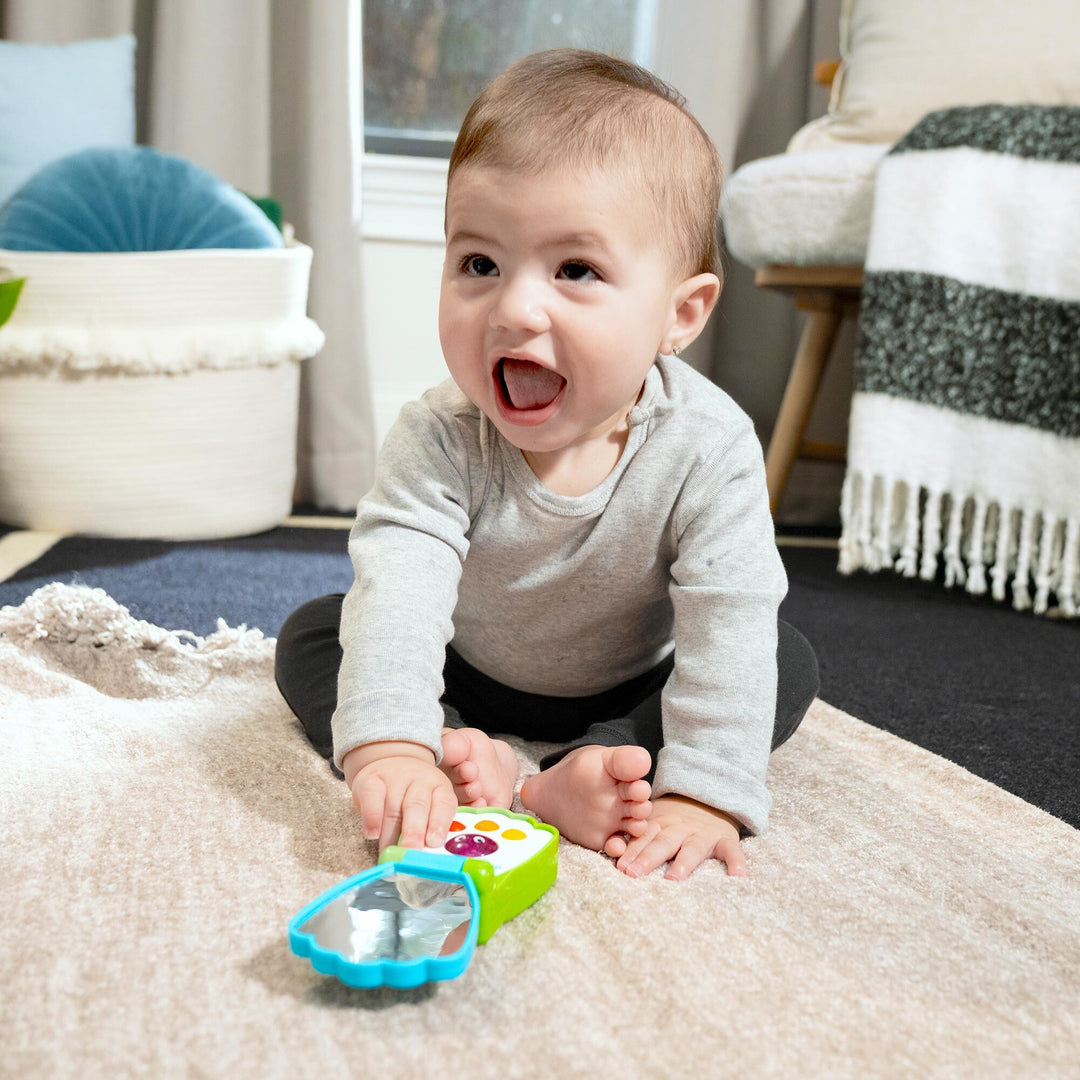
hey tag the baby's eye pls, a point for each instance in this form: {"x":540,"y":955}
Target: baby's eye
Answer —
{"x":577,"y":271}
{"x":478,"y":266}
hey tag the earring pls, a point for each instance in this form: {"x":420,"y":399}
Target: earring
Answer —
{"x":676,"y":351}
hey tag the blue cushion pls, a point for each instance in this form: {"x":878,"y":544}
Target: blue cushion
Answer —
{"x":56,"y":99}
{"x":136,"y":199}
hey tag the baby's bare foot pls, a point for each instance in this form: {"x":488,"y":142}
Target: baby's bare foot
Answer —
{"x":483,"y":770}
{"x":594,"y":796}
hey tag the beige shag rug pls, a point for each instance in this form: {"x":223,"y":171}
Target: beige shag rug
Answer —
{"x":162,"y":819}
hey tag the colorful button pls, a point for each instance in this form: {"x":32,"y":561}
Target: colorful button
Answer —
{"x":487,"y":825}
{"x":513,"y":834}
{"x":471,"y":846}
{"x":456,"y":826}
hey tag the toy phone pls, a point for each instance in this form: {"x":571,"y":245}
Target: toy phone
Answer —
{"x":417,"y":915}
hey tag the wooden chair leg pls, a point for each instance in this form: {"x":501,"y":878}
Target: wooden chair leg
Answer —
{"x":811,"y":358}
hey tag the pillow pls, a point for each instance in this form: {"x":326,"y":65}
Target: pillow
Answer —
{"x":902,"y":61}
{"x":134,"y":199}
{"x":56,"y":99}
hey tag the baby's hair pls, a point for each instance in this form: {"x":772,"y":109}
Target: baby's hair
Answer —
{"x":587,"y":110}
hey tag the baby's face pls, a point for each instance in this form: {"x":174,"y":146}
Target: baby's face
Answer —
{"x":557,"y":294}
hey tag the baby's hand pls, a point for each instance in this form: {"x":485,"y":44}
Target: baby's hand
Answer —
{"x":402,"y":795}
{"x":687,"y":833}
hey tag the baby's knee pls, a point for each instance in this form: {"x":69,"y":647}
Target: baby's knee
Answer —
{"x":313,"y":628}
{"x":306,"y":662}
{"x":798,"y":682}
{"x":319,"y":618}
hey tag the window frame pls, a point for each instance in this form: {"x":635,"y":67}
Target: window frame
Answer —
{"x":404,"y":195}
{"x":404,"y":198}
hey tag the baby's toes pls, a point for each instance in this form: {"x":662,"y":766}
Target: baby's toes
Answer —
{"x":456,"y":748}
{"x":637,"y":791}
{"x":615,"y":845}
{"x":460,"y":789}
{"x":635,"y":826}
{"x":471,"y":794}
{"x":627,"y":763}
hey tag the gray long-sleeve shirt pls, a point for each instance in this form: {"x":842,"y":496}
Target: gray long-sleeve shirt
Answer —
{"x":570,"y":595}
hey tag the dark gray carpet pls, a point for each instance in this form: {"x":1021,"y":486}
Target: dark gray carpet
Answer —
{"x":994,"y":690}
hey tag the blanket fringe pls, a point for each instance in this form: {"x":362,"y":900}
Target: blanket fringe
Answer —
{"x":975,"y":541}
{"x":83,"y":617}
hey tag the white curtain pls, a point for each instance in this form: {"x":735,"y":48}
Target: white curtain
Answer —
{"x":266,"y":94}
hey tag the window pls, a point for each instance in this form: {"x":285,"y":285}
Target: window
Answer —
{"x":425,"y":60}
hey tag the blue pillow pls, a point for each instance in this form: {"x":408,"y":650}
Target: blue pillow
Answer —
{"x":135,"y":199}
{"x":56,"y":99}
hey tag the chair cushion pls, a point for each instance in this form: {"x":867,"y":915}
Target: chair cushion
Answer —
{"x":806,"y":209}
{"x":56,"y":99}
{"x":133,"y":199}
{"x":902,"y":61}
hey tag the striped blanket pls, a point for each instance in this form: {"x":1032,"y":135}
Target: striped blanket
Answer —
{"x":964,"y":444}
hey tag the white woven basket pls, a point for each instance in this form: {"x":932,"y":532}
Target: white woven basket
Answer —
{"x":153,"y":394}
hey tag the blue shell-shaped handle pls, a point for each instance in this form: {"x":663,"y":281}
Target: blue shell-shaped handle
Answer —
{"x":130,"y":199}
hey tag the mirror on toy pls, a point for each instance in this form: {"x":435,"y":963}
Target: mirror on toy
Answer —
{"x":396,"y":917}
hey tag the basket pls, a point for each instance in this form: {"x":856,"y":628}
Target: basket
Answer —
{"x":153,"y":394}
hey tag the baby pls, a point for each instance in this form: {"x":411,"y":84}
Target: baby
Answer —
{"x":570,"y":539}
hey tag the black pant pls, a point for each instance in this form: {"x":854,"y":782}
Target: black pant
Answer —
{"x":309,"y":656}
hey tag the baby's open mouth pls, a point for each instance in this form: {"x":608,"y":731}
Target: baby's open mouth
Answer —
{"x":527,"y":385}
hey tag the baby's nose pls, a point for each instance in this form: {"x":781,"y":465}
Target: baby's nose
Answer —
{"x":521,"y":306}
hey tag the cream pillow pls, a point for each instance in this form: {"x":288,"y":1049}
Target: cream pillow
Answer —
{"x":903,"y":60}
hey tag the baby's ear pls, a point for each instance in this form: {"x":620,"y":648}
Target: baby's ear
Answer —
{"x":692,"y":304}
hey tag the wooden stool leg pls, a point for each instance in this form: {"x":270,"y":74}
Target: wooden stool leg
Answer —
{"x":815,"y":345}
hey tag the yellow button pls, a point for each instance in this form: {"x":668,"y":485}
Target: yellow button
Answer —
{"x":487,"y":825}
{"x":513,"y":834}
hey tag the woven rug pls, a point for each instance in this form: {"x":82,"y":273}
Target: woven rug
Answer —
{"x":163,"y":819}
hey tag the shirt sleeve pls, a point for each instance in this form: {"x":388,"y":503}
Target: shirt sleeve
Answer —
{"x":407,"y":547}
{"x":719,"y":704}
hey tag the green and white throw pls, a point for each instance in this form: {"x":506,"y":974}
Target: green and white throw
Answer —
{"x":964,"y":444}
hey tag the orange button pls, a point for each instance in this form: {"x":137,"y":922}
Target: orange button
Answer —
{"x":487,"y":825}
{"x":456,"y":826}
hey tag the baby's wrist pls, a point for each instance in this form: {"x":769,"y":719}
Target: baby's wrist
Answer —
{"x":363,"y":755}
{"x":723,"y":815}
